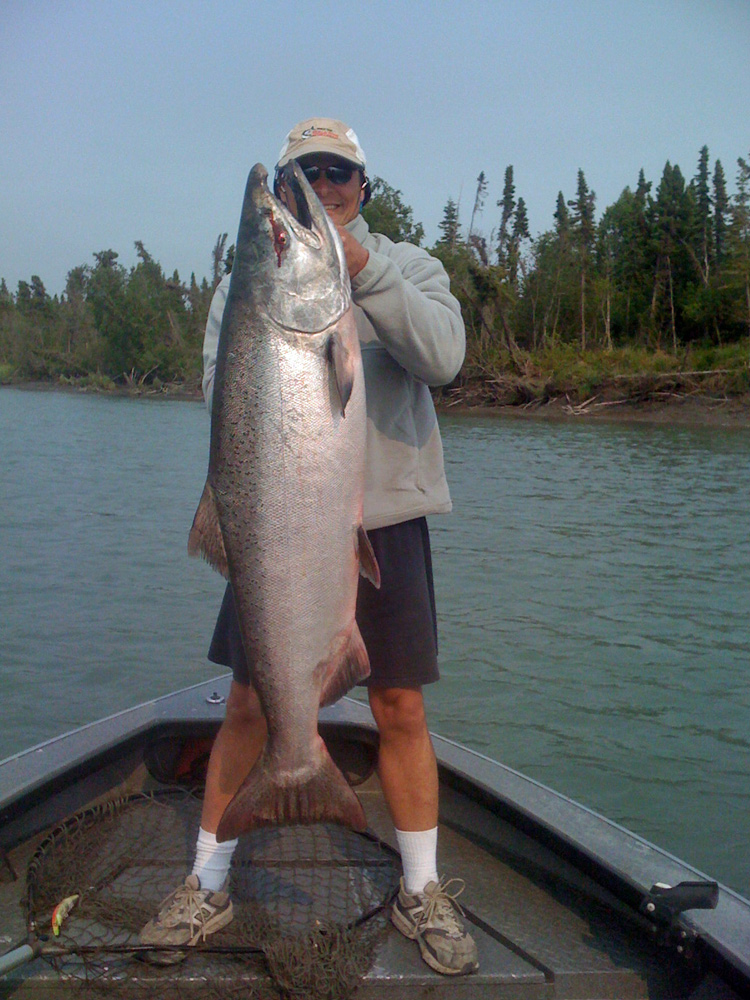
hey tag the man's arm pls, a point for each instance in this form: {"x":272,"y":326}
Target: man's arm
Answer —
{"x":407,"y":299}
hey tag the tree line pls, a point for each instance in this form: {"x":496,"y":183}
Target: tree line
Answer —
{"x":110,"y":324}
{"x":662,"y":268}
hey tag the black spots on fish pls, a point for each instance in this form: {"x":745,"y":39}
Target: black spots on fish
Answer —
{"x":344,"y":362}
{"x":368,"y":564}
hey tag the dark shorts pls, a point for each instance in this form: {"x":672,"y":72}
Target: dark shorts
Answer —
{"x":398,"y":622}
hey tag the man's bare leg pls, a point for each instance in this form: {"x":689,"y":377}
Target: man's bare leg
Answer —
{"x":200,"y":901}
{"x":406,"y":764}
{"x":425,"y":909}
{"x":237,"y":746}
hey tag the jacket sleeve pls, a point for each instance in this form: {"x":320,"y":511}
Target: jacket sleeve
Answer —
{"x":211,"y":338}
{"x":406,"y":297}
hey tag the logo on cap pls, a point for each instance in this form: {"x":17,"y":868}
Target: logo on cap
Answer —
{"x":316,"y":130}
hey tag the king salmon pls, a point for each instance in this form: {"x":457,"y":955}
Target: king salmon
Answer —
{"x":281,"y":512}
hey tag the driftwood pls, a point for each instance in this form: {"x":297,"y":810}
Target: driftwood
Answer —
{"x":484,"y":386}
{"x":591,"y":404}
{"x":649,"y":375}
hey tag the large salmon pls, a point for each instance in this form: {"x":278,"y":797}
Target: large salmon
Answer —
{"x":281,"y":512}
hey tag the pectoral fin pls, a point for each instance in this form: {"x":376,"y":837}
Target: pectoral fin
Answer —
{"x":205,"y":535}
{"x":344,"y":366}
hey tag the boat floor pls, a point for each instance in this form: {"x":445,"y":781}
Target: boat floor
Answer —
{"x":543,"y":928}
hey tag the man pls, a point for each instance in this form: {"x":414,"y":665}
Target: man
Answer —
{"x":412,"y":335}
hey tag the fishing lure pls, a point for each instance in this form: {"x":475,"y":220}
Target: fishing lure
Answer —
{"x":62,"y":911}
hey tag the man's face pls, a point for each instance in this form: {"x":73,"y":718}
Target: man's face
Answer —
{"x":341,"y":201}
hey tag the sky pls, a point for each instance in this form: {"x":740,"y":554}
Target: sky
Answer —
{"x":124,"y":121}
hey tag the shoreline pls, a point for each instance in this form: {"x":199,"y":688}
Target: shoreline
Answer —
{"x":680,"y":411}
{"x":690,"y":410}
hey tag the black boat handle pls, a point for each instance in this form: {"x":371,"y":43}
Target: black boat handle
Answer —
{"x":664,"y":903}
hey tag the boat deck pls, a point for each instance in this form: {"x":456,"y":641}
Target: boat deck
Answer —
{"x":542,"y":928}
{"x":545,"y":926}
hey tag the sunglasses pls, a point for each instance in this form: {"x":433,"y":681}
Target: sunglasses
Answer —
{"x":336,"y":175}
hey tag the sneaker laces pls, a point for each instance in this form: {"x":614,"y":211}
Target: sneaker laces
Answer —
{"x":443,"y":904}
{"x":191,"y":902}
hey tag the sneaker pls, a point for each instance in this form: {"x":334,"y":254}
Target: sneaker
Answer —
{"x":188,"y":915}
{"x":433,"y":919}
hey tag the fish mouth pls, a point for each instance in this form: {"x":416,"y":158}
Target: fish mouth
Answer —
{"x":293,"y":178}
{"x":311,"y":223}
{"x":296,"y":265}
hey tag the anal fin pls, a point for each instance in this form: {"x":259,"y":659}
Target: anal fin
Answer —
{"x":368,"y":564}
{"x":347,"y":665}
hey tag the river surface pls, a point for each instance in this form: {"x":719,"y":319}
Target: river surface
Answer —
{"x":593,"y":589}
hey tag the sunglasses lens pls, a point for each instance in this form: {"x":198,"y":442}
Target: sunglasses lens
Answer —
{"x":336,"y":175}
{"x":339,"y":175}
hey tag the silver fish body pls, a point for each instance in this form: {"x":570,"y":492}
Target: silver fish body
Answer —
{"x":281,"y":513}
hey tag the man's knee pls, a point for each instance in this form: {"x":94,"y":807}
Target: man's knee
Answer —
{"x":398,"y":711}
{"x":243,"y":706}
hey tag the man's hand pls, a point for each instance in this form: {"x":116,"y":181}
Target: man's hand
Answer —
{"x":355,"y":253}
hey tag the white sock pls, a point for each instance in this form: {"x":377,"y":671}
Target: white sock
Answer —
{"x":212,"y":860}
{"x":418,"y":858}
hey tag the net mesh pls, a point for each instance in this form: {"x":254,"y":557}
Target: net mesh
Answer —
{"x":310,"y":904}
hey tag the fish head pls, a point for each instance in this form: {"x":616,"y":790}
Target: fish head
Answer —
{"x":292,"y":266}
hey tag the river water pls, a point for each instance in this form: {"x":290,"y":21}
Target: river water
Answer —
{"x":592,"y":587}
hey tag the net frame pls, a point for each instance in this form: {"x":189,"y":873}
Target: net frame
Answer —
{"x":321,"y":934}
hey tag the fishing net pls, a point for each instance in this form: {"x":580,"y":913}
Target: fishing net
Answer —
{"x":310,"y":904}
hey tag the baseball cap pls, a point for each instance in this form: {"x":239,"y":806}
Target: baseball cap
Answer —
{"x":322,"y":135}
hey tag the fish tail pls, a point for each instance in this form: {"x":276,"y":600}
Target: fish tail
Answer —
{"x":269,"y":796}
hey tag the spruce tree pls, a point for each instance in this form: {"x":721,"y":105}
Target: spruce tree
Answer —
{"x":671,"y":213}
{"x":387,"y":213}
{"x":508,"y":204}
{"x":583,"y":230}
{"x":703,"y":228}
{"x":721,"y":211}
{"x":738,"y":240}
{"x":449,"y":226}
{"x":519,"y":233}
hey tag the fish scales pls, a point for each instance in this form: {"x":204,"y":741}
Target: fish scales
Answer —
{"x":283,"y":472}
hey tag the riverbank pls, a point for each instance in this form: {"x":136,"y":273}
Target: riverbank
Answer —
{"x":658,"y":407}
{"x":710,"y":397}
{"x":697,"y":384}
{"x":688,"y":411}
